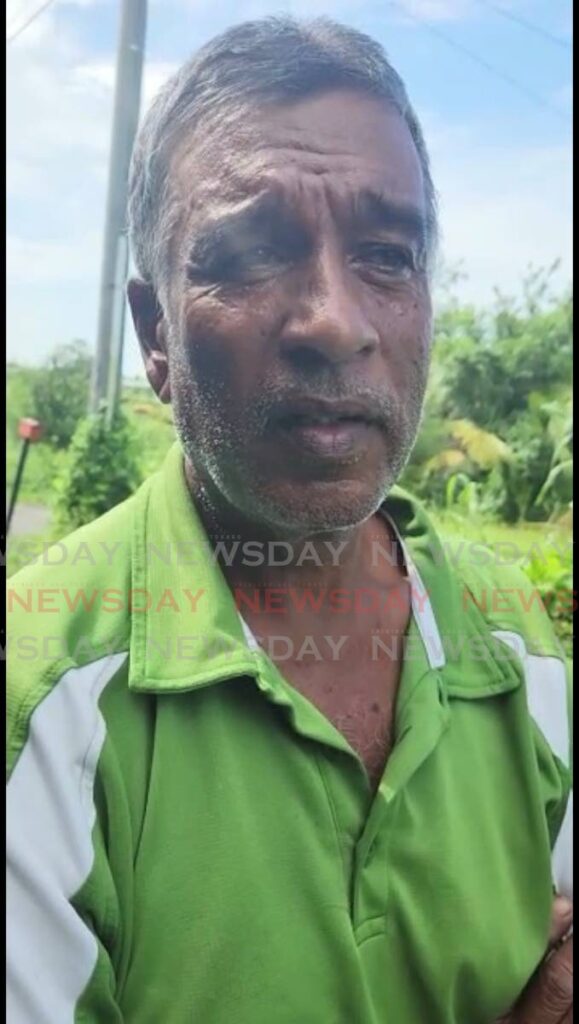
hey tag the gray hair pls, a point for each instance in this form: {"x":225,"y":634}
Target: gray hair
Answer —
{"x":272,"y":60}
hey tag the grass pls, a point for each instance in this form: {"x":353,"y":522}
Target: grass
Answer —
{"x":42,"y":466}
{"x":543,"y":550}
{"x":489,"y":531}
{"x":547,"y":539}
{"x":153,"y":425}
{"x":155,"y":434}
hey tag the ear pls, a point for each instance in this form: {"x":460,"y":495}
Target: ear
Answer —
{"x":151,"y":330}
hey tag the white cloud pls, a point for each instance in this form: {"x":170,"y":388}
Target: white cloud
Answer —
{"x":49,"y":112}
{"x":408,"y":10}
{"x":34,"y":262}
{"x":19,"y":11}
{"x":58,"y":136}
{"x":155,"y":75}
{"x":502,"y":210}
{"x":102,"y":75}
{"x":59,"y":108}
{"x":434,"y":10}
{"x":25,"y":178}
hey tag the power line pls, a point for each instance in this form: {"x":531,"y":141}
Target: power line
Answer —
{"x":491,"y":68}
{"x":14,"y":15}
{"x":525,"y":23}
{"x":33,"y":17}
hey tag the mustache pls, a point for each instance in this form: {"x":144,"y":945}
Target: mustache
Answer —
{"x":277,"y":402}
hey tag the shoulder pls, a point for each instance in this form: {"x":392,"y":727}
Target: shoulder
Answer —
{"x":507,"y":599}
{"x":68,"y":626}
{"x":518,"y":621}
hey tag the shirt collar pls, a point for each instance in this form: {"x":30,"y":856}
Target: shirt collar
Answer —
{"x":201,"y":640}
{"x":189,"y":633}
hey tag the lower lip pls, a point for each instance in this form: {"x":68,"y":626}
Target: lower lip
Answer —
{"x":339,"y":441}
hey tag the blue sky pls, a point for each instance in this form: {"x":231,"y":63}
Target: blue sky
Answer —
{"x":501,"y":158}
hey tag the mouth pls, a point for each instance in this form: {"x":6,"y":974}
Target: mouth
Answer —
{"x":326,"y":430}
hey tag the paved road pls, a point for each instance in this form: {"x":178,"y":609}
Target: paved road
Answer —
{"x":29,"y":519}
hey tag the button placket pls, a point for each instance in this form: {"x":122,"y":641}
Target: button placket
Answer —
{"x":374,"y":841}
{"x":425,"y":725}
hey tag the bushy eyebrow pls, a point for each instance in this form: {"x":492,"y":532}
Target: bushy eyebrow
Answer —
{"x":272,"y":215}
{"x":263,"y":215}
{"x":374,"y":209}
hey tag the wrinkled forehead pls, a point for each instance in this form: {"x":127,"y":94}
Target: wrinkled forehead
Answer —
{"x":335,"y":146}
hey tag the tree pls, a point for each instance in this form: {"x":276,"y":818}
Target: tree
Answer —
{"x":497,"y":412}
{"x":494,"y":362}
{"x":102,"y":470}
{"x":60,"y":392}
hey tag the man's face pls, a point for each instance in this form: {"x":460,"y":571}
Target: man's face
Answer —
{"x":298,"y":313}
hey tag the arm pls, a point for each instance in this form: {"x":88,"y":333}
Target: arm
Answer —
{"x":548,"y":999}
{"x":58,"y":884}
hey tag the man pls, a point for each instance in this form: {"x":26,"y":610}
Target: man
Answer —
{"x":277,"y":763}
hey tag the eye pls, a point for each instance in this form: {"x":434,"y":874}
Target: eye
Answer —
{"x":386,"y":258}
{"x":260,"y":252}
{"x":252,"y":263}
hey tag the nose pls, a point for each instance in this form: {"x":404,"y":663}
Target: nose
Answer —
{"x":328,"y":324}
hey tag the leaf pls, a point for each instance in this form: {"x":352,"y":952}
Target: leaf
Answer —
{"x":481,"y":446}
{"x":557,"y":471}
{"x":453,"y":482}
{"x":450,"y":458}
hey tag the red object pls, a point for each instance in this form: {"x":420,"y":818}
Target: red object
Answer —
{"x":30,"y":430}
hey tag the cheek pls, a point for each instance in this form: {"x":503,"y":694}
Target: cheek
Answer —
{"x":405,"y":331}
{"x":223,"y":346}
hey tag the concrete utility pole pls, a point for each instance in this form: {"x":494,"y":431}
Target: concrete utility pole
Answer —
{"x":106,"y":377}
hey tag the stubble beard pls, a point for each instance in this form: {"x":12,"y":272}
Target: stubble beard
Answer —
{"x":216,"y":451}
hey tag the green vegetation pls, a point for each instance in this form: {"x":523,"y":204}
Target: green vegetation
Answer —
{"x":60,"y":392}
{"x":102,"y":470}
{"x":493,"y":461}
{"x":149,"y":425}
{"x":43,"y":462}
{"x":497,"y":433}
{"x":152,"y":424}
{"x":542,"y":550}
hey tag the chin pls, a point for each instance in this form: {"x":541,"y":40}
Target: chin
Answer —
{"x":318,"y":507}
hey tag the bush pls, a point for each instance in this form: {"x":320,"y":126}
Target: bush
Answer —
{"x":101,"y":471}
{"x":43,"y":461}
{"x":60,"y":392}
{"x":545,"y":556}
{"x":498,"y":408}
{"x":553,"y":578}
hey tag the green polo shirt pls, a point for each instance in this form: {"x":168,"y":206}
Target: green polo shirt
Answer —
{"x":190,"y":839}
